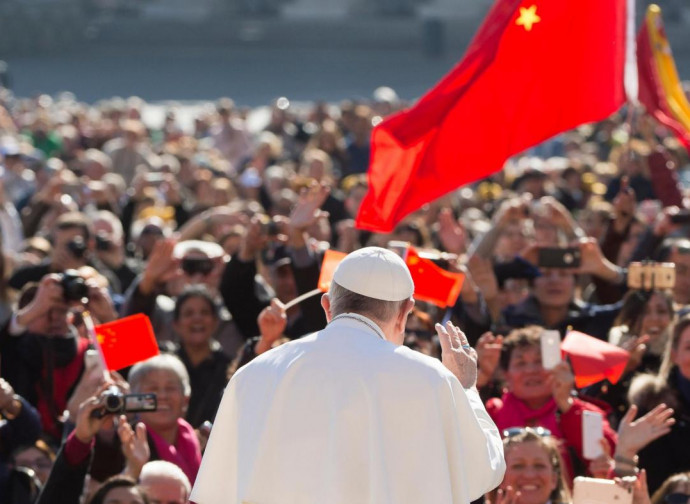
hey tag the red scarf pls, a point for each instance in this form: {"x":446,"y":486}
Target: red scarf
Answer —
{"x":185,"y":453}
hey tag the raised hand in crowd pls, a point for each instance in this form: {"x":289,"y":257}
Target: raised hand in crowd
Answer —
{"x":348,"y":236}
{"x":135,"y":446}
{"x":637,"y":347}
{"x":664,"y":225}
{"x":457,"y":355}
{"x":602,"y":466}
{"x":508,"y":495}
{"x":307,"y":212}
{"x":88,"y":423}
{"x":488,"y":354}
{"x":450,"y":232}
{"x":512,"y":210}
{"x":482,"y":272}
{"x":562,"y":381}
{"x":594,"y":263}
{"x":161,"y":266}
{"x":560,"y":217}
{"x":10,"y":405}
{"x":634,"y":435}
{"x":272,"y":323}
{"x":254,"y":241}
{"x":48,"y":296}
{"x":100,"y":303}
{"x":638,"y":485}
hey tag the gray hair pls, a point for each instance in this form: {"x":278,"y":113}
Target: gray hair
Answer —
{"x":345,"y":301}
{"x":162,"y":362}
{"x":165,"y":470}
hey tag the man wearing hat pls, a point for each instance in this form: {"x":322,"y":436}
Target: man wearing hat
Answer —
{"x":348,"y":415}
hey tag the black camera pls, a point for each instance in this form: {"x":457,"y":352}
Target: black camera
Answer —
{"x":77,"y":246}
{"x":117,"y":403}
{"x":74,"y":287}
{"x":194,"y":265}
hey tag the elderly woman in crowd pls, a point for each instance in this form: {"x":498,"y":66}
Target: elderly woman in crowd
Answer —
{"x":170,"y":436}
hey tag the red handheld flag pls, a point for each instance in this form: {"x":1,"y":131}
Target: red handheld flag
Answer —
{"x":432,"y":283}
{"x":593,"y":359}
{"x":126,"y":341}
{"x":331,"y":259}
{"x":534,"y":69}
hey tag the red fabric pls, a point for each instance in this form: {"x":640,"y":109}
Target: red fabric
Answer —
{"x":126,"y":341}
{"x":651,"y":92}
{"x":331,"y":259}
{"x":76,"y":451}
{"x":513,"y":89}
{"x":593,"y":360}
{"x":432,"y":283}
{"x":186,"y":453}
{"x":63,"y":380}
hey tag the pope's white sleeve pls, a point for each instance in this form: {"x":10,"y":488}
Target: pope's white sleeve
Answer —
{"x":482,"y":447}
{"x":217,"y":479}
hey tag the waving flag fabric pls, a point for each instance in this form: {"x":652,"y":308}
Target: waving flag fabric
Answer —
{"x":534,"y":69}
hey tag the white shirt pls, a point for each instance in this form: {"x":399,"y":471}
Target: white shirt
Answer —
{"x":344,"y":417}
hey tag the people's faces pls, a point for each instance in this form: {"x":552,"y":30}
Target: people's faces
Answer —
{"x":63,"y":237}
{"x":680,"y":355}
{"x":555,"y":287}
{"x":123,"y":495}
{"x":197,"y":321}
{"x":172,"y":402}
{"x":529,"y":471}
{"x":656,"y":317}
{"x":681,"y":291}
{"x":526,"y":377}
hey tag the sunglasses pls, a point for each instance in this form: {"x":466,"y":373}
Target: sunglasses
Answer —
{"x":194,"y":266}
{"x":516,"y":431}
{"x":677,"y":498}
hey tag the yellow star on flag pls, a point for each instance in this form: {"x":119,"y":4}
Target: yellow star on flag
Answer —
{"x":528,"y":17}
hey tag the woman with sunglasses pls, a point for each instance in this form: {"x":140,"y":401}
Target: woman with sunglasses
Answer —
{"x":534,"y":469}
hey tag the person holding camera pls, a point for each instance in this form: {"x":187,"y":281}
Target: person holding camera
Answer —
{"x":73,"y":244}
{"x":43,"y":354}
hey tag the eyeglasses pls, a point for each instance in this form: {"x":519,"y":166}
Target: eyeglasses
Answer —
{"x":677,"y":498}
{"x":516,"y":431}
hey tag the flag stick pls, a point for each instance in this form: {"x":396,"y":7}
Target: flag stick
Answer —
{"x":301,"y":298}
{"x":91,"y":330}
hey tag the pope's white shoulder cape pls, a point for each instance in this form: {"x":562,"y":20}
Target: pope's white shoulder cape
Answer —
{"x":343,"y":417}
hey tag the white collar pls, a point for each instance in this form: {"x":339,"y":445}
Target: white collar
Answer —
{"x":360,"y":318}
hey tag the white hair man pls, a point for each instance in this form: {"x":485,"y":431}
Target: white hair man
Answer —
{"x":164,"y":483}
{"x":349,"y":415}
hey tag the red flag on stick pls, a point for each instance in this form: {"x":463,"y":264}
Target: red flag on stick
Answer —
{"x":126,"y":341}
{"x":593,"y":359}
{"x":534,"y":69}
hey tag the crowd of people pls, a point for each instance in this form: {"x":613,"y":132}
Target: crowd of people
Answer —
{"x":212,"y":231}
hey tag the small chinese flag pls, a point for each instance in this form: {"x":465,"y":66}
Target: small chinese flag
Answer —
{"x":593,"y":359}
{"x":331,"y":259}
{"x":432,"y":283}
{"x":126,"y":341}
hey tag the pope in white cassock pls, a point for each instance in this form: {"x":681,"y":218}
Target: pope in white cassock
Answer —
{"x":350,"y":416}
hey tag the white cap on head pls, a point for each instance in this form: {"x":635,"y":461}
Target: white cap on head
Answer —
{"x":375,"y":272}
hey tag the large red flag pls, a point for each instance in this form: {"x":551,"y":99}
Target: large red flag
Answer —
{"x":126,"y":341}
{"x":535,"y":68}
{"x":651,"y":91}
{"x":593,"y":359}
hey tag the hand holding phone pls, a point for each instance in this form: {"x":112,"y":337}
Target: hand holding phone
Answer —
{"x":600,"y":491}
{"x":550,"y":349}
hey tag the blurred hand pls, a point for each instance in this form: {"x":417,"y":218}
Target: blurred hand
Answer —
{"x":663,"y":225}
{"x":505,"y":496}
{"x":254,"y":240}
{"x":562,"y":381}
{"x":161,"y":266}
{"x":272,"y":323}
{"x":100,"y":303}
{"x":482,"y":272}
{"x":633,"y":435}
{"x":203,"y":433}
{"x":307,"y":210}
{"x":638,"y":485}
{"x":624,"y":206}
{"x":637,"y":348}
{"x":6,"y":394}
{"x":88,"y":425}
{"x":601,"y":466}
{"x":49,"y":295}
{"x":593,"y":261}
{"x":511,"y":210}
{"x":135,"y":446}
{"x":457,"y":355}
{"x":450,"y":232}
{"x":488,"y":354}
{"x":348,"y":235}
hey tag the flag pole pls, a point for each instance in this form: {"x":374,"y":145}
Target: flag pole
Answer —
{"x":301,"y":298}
{"x":91,"y":331}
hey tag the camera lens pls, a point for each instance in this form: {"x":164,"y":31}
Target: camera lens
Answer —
{"x":74,"y":287}
{"x":77,"y":246}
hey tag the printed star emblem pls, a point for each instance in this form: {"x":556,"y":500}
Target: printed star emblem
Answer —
{"x":528,"y":17}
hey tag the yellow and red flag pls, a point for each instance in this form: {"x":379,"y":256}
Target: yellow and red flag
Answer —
{"x":534,"y":69}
